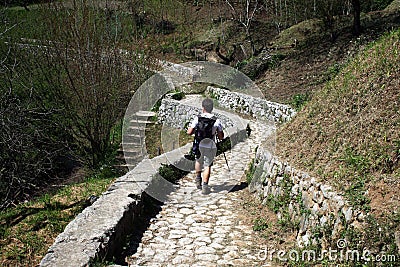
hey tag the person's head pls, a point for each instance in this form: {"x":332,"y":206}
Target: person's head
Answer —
{"x":208,"y":105}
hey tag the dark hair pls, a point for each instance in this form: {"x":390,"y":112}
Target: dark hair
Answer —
{"x":208,"y":105}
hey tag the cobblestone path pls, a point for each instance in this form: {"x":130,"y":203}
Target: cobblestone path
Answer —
{"x":205,"y":230}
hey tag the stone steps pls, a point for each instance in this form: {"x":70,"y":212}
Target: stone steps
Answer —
{"x":131,"y":152}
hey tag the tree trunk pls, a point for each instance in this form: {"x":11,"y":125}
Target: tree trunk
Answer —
{"x":356,"y":21}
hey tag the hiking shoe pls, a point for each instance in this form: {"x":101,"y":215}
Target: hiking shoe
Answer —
{"x":198,"y":182}
{"x":205,"y":189}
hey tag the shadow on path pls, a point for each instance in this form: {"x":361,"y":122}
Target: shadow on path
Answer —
{"x":151,"y":207}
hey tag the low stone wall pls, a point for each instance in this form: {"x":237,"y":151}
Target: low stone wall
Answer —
{"x":177,"y":115}
{"x":313,"y":206}
{"x":256,"y":107}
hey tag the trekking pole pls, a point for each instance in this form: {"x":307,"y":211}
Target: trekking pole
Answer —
{"x":226,"y":161}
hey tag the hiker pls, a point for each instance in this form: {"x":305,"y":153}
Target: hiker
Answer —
{"x":205,"y":127}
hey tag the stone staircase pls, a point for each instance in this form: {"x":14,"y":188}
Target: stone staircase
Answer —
{"x":133,"y":147}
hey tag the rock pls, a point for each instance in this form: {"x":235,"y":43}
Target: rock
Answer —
{"x":303,"y":224}
{"x":181,"y":259}
{"x":397,"y":239}
{"x":295,"y":190}
{"x":337,"y":228}
{"x":315,"y":209}
{"x":323,"y":220}
{"x":307,"y":200}
{"x":304,"y":185}
{"x":318,"y":197}
{"x":326,"y":191}
{"x":348,"y":214}
{"x":361,"y":217}
{"x":305,"y":240}
{"x":325,"y":206}
{"x":205,"y":250}
{"x":267,"y":190}
{"x":336,"y":203}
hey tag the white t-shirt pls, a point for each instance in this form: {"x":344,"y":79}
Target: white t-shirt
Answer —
{"x":217,"y":126}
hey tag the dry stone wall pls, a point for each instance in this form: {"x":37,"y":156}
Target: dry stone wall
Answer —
{"x":100,"y":229}
{"x":256,"y":107}
{"x":312,"y":205}
{"x":174,"y":114}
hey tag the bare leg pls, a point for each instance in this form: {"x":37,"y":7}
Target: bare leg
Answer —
{"x":207,"y":172}
{"x":197,"y":167}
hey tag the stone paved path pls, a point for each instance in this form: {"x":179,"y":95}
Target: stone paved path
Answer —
{"x":197,"y":230}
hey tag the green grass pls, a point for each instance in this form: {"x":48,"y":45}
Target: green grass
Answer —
{"x":351,"y":127}
{"x":348,"y":133}
{"x":22,"y":23}
{"x":27,"y":230}
{"x":260,"y":224}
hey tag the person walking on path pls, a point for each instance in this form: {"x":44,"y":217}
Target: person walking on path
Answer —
{"x":205,"y":127}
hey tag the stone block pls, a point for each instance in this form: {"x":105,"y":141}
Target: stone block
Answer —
{"x":326,"y":191}
{"x":307,"y":200}
{"x":348,"y":214}
{"x":295,"y":190}
{"x":397,"y":240}
{"x":318,"y":197}
{"x":323,"y":220}
{"x":303,"y":226}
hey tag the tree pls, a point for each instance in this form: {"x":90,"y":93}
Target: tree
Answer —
{"x":243,"y":12}
{"x":63,"y":96}
{"x":356,"y":17}
{"x":95,"y":78}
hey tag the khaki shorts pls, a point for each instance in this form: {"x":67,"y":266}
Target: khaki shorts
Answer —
{"x":206,"y":156}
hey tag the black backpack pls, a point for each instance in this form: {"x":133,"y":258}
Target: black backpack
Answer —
{"x":203,"y":130}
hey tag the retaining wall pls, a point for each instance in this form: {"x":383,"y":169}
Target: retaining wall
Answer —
{"x":313,"y":206}
{"x":100,"y":229}
{"x":256,"y":107}
{"x":300,"y":199}
{"x":177,"y":115}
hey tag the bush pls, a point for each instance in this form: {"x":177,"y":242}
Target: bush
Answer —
{"x":299,"y":100}
{"x":165,"y":27}
{"x":34,"y":145}
{"x":171,"y":173}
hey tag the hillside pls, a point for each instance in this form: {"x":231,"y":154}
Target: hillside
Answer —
{"x":311,"y":57}
{"x":349,"y":133}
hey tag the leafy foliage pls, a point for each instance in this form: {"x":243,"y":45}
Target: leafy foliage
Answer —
{"x":299,"y":100}
{"x":171,"y":173}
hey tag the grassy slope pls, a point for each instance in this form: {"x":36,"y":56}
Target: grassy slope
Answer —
{"x":350,"y":131}
{"x":27,"y":231}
